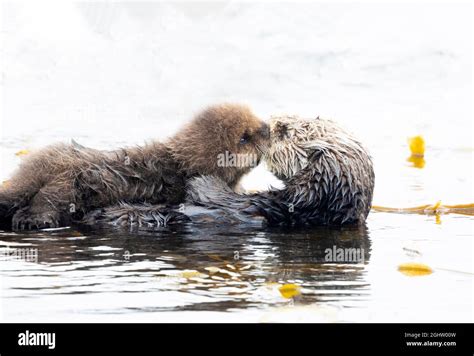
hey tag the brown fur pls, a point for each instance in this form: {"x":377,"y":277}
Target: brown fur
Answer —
{"x":328,"y":176}
{"x":61,"y":183}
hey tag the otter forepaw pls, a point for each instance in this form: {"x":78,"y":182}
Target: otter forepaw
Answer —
{"x":26,"y":220}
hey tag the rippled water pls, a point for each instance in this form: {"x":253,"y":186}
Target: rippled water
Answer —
{"x":191,"y":273}
{"x":233,"y":273}
{"x":141,"y":275}
{"x":119,"y":61}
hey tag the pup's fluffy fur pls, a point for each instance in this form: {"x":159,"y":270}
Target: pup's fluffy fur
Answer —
{"x":61,"y":183}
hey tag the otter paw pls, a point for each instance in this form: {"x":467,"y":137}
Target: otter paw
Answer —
{"x":27,"y":220}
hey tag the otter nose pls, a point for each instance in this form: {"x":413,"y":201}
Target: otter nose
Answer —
{"x":265,"y":131}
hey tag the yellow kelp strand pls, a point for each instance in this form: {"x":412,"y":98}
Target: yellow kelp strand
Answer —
{"x":430,"y":209}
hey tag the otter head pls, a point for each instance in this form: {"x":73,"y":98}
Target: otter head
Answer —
{"x":294,"y":140}
{"x":287,"y":153}
{"x":318,"y":159}
{"x":226,"y":141}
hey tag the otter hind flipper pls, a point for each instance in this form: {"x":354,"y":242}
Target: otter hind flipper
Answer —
{"x":146,"y":215}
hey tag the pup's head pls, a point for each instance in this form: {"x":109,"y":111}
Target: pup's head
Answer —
{"x":223,"y":140}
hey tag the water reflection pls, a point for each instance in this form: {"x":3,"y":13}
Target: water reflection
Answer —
{"x":211,"y":268}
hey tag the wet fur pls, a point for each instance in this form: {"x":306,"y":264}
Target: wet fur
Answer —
{"x":63,"y":182}
{"x":328,"y":176}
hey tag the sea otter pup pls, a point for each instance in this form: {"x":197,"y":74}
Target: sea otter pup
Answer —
{"x":61,"y":183}
{"x":328,"y":176}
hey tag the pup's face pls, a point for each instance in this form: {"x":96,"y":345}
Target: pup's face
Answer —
{"x":225,"y":140}
{"x":238,"y":130}
{"x":288,"y":153}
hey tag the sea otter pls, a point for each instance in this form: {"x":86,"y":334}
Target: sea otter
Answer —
{"x":63,"y":182}
{"x":328,"y":176}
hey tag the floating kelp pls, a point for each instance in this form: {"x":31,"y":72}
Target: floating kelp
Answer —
{"x":415,"y":269}
{"x":289,"y":290}
{"x":429,"y":209}
{"x":417,"y":150}
{"x":22,"y":153}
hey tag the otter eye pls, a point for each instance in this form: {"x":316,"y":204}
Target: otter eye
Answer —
{"x":245,"y":138}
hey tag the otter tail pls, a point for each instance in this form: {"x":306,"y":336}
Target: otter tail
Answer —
{"x":223,"y":204}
